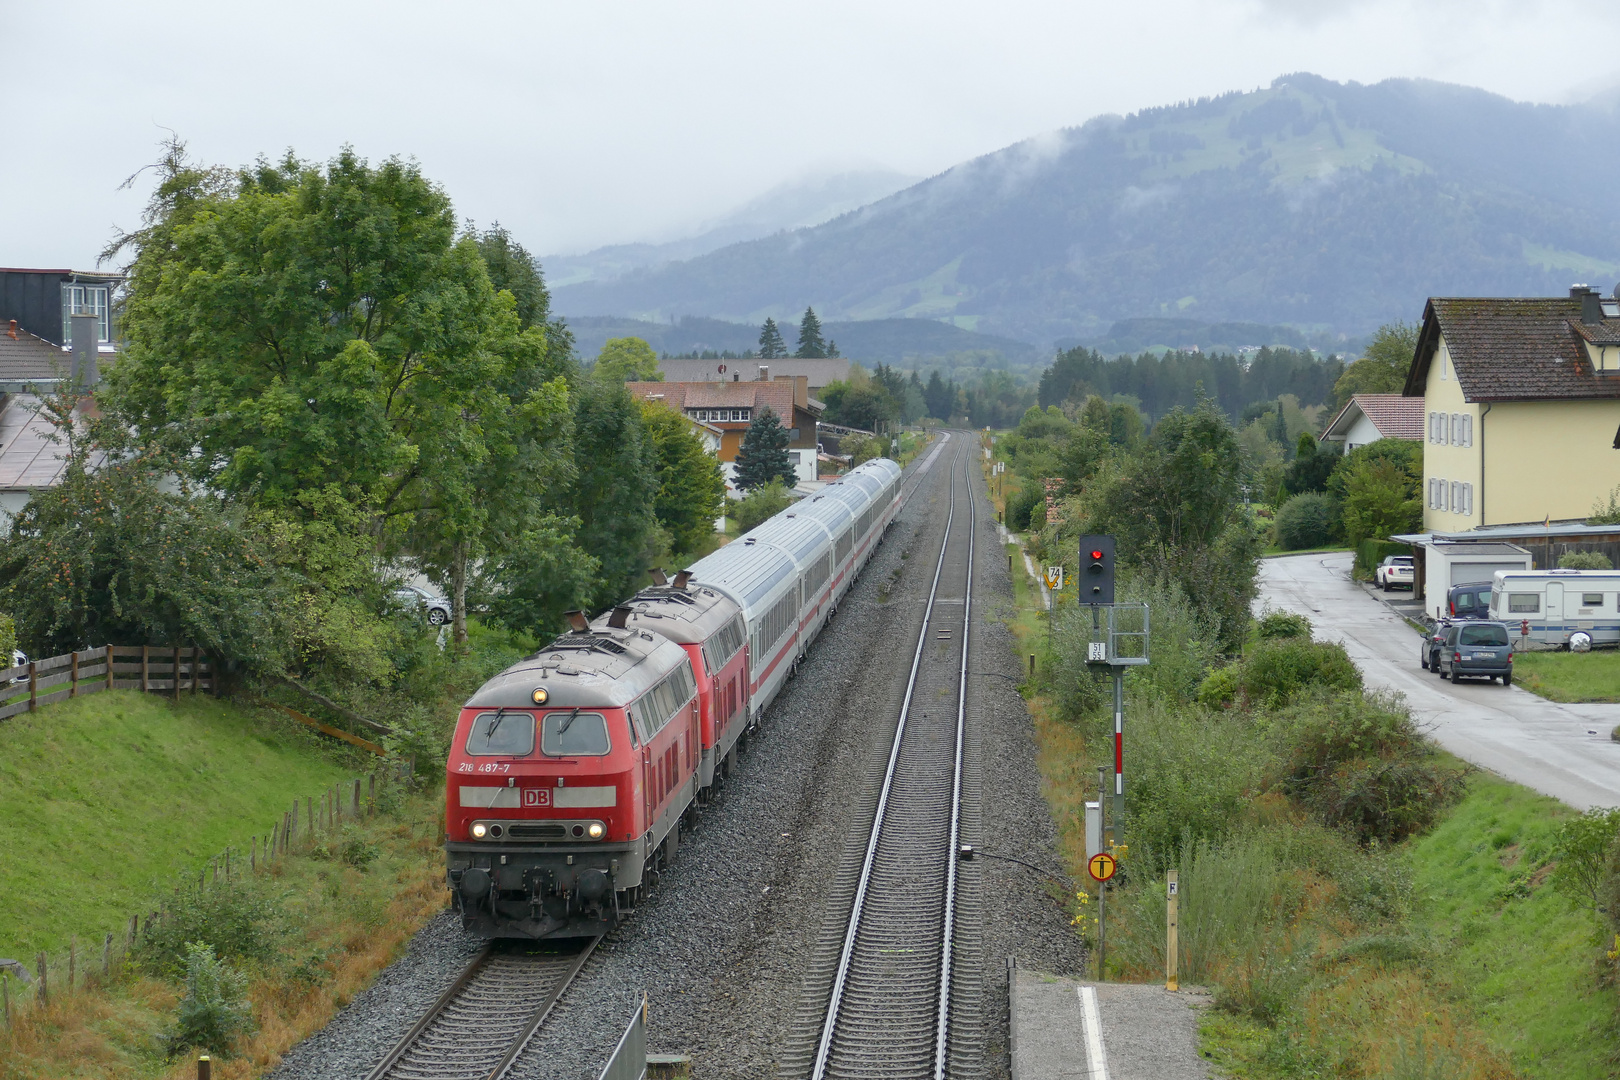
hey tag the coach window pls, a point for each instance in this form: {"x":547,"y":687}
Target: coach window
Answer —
{"x":1592,"y":599}
{"x":501,"y":734}
{"x":574,"y":734}
{"x":1527,"y":603}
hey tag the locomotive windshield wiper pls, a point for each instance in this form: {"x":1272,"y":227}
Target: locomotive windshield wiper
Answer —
{"x":494,"y":722}
{"x":564,"y":729}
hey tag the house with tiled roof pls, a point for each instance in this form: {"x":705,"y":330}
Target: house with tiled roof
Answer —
{"x":1521,"y":407}
{"x":818,"y":372}
{"x":732,"y":406}
{"x":1366,"y":418}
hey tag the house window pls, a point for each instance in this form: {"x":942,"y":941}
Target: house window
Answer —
{"x":86,"y":300}
{"x":1467,"y":430}
{"x":1467,"y":499}
{"x":793,"y":433}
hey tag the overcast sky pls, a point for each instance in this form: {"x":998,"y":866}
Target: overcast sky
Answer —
{"x":584,"y":123}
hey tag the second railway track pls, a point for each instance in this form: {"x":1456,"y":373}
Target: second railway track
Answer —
{"x":888,"y":1010}
{"x":482,"y":1021}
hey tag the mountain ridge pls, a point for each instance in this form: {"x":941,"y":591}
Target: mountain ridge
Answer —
{"x":1322,"y":206}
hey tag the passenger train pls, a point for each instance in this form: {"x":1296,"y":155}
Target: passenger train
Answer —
{"x":570,"y":772}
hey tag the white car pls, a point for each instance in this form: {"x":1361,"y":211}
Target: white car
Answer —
{"x":437,"y":608}
{"x":1396,"y":570}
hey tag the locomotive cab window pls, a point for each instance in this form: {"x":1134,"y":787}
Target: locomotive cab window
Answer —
{"x":574,"y":734}
{"x":501,"y":734}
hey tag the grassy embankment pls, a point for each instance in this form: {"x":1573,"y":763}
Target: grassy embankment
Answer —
{"x":1566,"y":676}
{"x":1443,"y":955}
{"x":112,"y":803}
{"x":105,"y":796}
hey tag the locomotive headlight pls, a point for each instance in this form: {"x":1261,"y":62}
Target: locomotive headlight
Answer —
{"x":478,"y":831}
{"x":596,"y":830}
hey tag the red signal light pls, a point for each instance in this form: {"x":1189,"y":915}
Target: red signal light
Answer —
{"x":1096,"y":554}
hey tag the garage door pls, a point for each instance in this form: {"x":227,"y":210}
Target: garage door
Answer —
{"x":1468,"y":573}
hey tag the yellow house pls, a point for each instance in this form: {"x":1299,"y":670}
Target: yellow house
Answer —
{"x":1521,"y":402}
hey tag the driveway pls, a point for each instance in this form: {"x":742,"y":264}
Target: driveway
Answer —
{"x":1559,"y":750}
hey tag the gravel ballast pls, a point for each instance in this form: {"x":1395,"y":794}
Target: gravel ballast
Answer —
{"x":719,"y":948}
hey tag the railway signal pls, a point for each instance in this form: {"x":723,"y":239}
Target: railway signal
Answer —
{"x":1096,"y":569}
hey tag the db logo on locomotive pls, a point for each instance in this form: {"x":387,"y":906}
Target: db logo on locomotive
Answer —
{"x":536,"y":796}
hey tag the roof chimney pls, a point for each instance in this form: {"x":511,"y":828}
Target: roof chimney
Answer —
{"x":12,"y":333}
{"x":1591,"y":306}
{"x":765,"y":372}
{"x":86,"y":331}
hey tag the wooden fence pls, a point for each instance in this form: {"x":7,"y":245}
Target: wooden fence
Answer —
{"x":173,"y":669}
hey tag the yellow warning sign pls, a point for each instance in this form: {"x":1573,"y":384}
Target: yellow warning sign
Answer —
{"x":1054,"y":578}
{"x":1102,"y":866}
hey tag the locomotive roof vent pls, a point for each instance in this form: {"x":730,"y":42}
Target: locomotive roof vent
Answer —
{"x":682,"y":578}
{"x":620,"y":616}
{"x":658,"y":577}
{"x":578,"y":622}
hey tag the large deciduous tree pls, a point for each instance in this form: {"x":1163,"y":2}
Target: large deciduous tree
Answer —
{"x":296,"y":328}
{"x":1383,"y":364}
{"x":627,"y":359}
{"x":763,"y":458}
{"x":691,"y":487}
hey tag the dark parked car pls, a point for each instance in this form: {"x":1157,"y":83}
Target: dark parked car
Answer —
{"x":1429,"y":651}
{"x":1477,"y":650}
{"x":1471,"y":601}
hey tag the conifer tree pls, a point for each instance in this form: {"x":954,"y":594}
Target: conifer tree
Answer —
{"x":763,"y":458}
{"x":811,"y":344}
{"x":771,"y":345}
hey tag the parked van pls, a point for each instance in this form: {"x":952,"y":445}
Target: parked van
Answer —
{"x":1574,"y":608}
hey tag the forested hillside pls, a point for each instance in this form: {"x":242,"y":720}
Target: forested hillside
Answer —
{"x":1324,"y":206}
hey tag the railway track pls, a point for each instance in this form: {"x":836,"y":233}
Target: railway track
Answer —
{"x":889,"y":1010}
{"x":483,"y":1020}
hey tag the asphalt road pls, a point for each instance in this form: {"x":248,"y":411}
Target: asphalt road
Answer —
{"x":1559,"y":750}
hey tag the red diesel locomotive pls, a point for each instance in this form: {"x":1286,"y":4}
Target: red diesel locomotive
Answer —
{"x":570,"y":772}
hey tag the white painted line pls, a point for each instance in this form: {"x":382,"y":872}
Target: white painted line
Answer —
{"x":1091,"y":1020}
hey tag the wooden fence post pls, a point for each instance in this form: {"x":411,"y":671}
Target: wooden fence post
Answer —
{"x":106,"y":955}
{"x":146,"y":668}
{"x":5,"y":995}
{"x":309,"y":812}
{"x":371,"y":795}
{"x":73,"y":956}
{"x":44,"y":981}
{"x":109,"y":666}
{"x":176,"y":687}
{"x":73,"y":674}
{"x":354,"y":803}
{"x":33,"y":685}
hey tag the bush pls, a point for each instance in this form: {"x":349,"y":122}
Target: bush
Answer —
{"x":231,"y":916}
{"x":1021,"y":504}
{"x":1274,"y":624}
{"x":1584,"y":560}
{"x":1359,"y":763}
{"x":759,"y":505}
{"x":1584,"y":849}
{"x":215,"y":1009}
{"x":1310,"y":520}
{"x":1191,"y":776}
{"x":1278,"y":670}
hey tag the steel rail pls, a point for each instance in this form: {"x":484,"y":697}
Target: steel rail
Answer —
{"x":835,"y":999}
{"x":391,"y":1064}
{"x":949,"y":921}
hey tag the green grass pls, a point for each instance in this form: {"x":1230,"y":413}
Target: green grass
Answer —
{"x":105,"y":798}
{"x":1271,"y":552}
{"x":1505,"y":941}
{"x":1567,"y":676}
